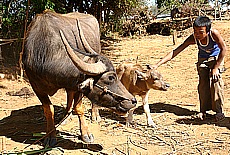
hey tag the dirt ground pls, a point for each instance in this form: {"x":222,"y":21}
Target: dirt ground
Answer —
{"x":22,"y":121}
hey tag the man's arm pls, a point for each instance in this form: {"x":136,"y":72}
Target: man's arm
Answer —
{"x":223,"y":49}
{"x":189,"y":41}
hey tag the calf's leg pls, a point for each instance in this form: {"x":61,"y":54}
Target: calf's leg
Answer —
{"x":129,"y":118}
{"x":95,"y":113}
{"x":147,"y":110}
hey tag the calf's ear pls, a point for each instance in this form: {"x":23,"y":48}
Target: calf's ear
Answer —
{"x":133,"y":77}
{"x":141,"y":75}
{"x":149,"y":66}
{"x":120,"y":73}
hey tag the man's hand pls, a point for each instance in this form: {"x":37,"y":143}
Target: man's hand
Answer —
{"x":215,"y":74}
{"x":155,"y":66}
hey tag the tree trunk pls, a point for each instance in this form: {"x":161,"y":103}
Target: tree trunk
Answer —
{"x":99,"y":13}
{"x":23,"y":41}
{"x":1,"y":14}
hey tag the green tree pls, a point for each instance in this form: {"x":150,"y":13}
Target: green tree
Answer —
{"x":173,"y":3}
{"x":14,"y":11}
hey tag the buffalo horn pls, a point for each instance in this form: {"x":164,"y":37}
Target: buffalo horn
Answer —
{"x":85,"y":43}
{"x":87,"y":68}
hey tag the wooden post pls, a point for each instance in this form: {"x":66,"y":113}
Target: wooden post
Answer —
{"x":3,"y":144}
{"x":1,"y":14}
{"x":174,"y":37}
{"x":23,"y":41}
{"x":1,"y":59}
{"x":216,"y":5}
{"x":220,"y":12}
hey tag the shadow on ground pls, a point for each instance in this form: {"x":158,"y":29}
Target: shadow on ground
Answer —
{"x":154,"y":108}
{"x":209,"y":119}
{"x":177,"y":110}
{"x":21,"y":125}
{"x":26,"y":125}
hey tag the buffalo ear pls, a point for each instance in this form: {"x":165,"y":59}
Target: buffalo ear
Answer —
{"x":86,"y":85}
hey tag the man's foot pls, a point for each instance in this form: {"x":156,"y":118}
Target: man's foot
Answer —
{"x":200,"y":116}
{"x":219,"y":117}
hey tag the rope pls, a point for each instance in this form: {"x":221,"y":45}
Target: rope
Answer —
{"x":8,"y":41}
{"x":66,"y":116}
{"x":106,"y":90}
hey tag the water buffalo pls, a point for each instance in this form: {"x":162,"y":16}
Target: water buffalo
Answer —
{"x":62,"y":51}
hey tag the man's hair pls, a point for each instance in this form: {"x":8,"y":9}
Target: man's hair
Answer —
{"x":203,"y":21}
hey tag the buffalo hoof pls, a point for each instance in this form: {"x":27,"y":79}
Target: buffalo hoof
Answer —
{"x":131,"y":124}
{"x":50,"y":142}
{"x":88,"y":138}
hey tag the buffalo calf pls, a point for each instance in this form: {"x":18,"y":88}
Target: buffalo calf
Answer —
{"x":139,"y":81}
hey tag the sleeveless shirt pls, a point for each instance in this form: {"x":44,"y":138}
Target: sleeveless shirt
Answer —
{"x":211,"y":49}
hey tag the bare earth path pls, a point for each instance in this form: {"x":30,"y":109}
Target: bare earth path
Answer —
{"x":21,"y":117}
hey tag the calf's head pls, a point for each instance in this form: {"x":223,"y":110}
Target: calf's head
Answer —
{"x":153,"y":79}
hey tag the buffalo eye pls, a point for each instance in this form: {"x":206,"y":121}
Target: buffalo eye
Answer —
{"x":111,"y":78}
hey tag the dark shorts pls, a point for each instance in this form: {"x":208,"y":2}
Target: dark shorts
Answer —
{"x":211,"y":94}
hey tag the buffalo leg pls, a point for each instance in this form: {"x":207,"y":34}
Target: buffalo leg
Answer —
{"x":48,"y":108}
{"x":70,"y":97}
{"x":147,"y":110}
{"x":79,"y":110}
{"x":49,"y":114}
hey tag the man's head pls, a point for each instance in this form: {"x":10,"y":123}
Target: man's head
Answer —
{"x":201,"y":21}
{"x":201,"y":26}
